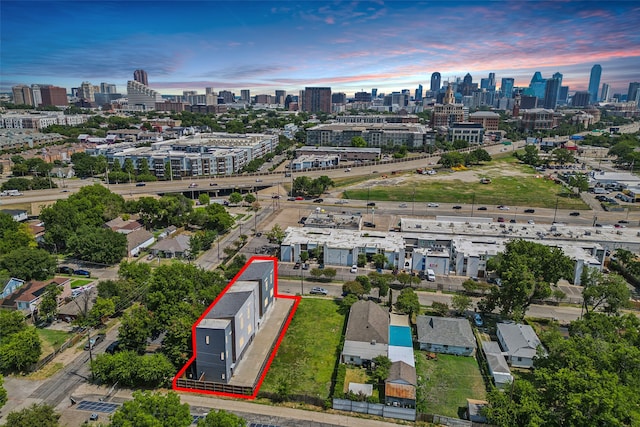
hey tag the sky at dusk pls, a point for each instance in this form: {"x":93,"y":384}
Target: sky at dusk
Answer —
{"x":349,"y":46}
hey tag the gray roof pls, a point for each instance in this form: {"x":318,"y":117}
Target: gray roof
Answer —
{"x":401,"y":372}
{"x":445,"y":331}
{"x":368,"y":322}
{"x":228,"y":305}
{"x":498,"y":364}
{"x":520,"y":340}
{"x":256,"y":270}
{"x":491,"y":347}
{"x":136,"y":238}
{"x":176,"y":244}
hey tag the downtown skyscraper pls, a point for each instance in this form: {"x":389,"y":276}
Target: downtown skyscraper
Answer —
{"x":594,"y":83}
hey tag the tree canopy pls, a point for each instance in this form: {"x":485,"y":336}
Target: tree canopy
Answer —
{"x":153,"y":409}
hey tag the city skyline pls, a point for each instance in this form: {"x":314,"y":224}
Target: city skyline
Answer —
{"x":286,"y":45}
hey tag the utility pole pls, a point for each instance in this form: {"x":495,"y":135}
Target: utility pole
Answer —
{"x":556,"y":210}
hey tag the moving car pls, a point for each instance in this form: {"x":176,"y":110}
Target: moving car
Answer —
{"x":258,"y":180}
{"x":213,"y":184}
{"x":482,"y":208}
{"x":532,"y":222}
{"x":500,"y":219}
{"x":93,"y":342}
{"x":193,"y":185}
{"x":574,"y":214}
{"x":371,"y":204}
{"x":299,"y":198}
{"x":432,"y":205}
{"x":369,"y":224}
{"x":318,"y":201}
{"x":318,"y":291}
{"x":140,"y":184}
{"x":402,"y":205}
{"x":529,"y":211}
{"x":503,"y":208}
{"x":457,"y":207}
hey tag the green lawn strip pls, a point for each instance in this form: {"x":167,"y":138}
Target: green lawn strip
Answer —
{"x":513,"y":191}
{"x":52,"y":339}
{"x":307,"y":355}
{"x":76,"y":283}
{"x":445,"y":384}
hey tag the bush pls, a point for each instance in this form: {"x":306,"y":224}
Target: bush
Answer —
{"x":341,"y":375}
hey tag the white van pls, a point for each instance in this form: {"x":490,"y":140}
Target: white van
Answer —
{"x":431,"y":275}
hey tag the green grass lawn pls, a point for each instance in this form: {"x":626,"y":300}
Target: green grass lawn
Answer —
{"x":445,"y":384}
{"x":307,"y":355}
{"x":76,"y":283}
{"x":530,"y":190}
{"x":51,"y":339}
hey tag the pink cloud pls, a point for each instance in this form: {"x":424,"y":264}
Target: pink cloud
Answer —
{"x":329,"y":20}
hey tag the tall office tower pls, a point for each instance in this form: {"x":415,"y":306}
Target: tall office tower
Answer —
{"x":537,"y":85}
{"x":210,"y":96}
{"x":552,"y":90}
{"x":605,"y":92}
{"x":339,"y":98}
{"x":227,"y":96}
{"x":594,"y":83}
{"x":492,"y":82}
{"x":85,"y":91}
{"x":209,"y":91}
{"x":22,"y":95}
{"x":484,"y":83}
{"x":245,"y":95}
{"x":54,"y":95}
{"x":280,"y":96}
{"x":581,"y":99}
{"x":634,"y":92}
{"x":36,"y":95}
{"x":436,"y":80}
{"x":374,"y":93}
{"x":418,"y":95}
{"x":317,"y":99}
{"x":467,"y":85}
{"x":108,"y":88}
{"x":506,"y":87}
{"x":141,"y":77}
{"x":362,"y":96}
{"x":563,"y":94}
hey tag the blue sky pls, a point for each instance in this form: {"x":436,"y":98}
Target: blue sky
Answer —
{"x":268,"y":45}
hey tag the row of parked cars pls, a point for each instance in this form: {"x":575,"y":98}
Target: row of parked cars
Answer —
{"x":63,"y":269}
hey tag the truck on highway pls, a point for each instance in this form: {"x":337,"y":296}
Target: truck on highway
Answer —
{"x":10,"y":193}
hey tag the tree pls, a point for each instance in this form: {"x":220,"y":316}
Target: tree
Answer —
{"x":382,"y":365}
{"x":235,"y":198}
{"x":11,"y":322}
{"x":153,"y":409}
{"x":441,"y":308}
{"x":580,"y":182}
{"x":329,"y":273}
{"x":276,"y":235}
{"x":460,"y":144}
{"x":29,"y":264}
{"x":353,"y":287}
{"x":98,"y":244}
{"x":3,"y":392}
{"x":135,"y":329}
{"x":41,"y":415}
{"x":48,"y":307}
{"x":481,"y":155}
{"x":129,"y":369}
{"x":304,"y":256}
{"x":408,"y":302}
{"x":379,"y":260}
{"x":347,"y":302}
{"x":177,"y":341}
{"x":220,"y":418}
{"x":362,"y":260}
{"x":358,"y":141}
{"x":103,"y":307}
{"x":249,"y":198}
{"x":562,"y":156}
{"x":452,"y":159}
{"x":204,"y":199}
{"x":20,"y":350}
{"x":461,"y":303}
{"x":608,"y":292}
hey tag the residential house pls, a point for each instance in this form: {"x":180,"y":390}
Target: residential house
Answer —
{"x":10,"y":286}
{"x":27,"y":298}
{"x":445,"y":335}
{"x":18,"y":215}
{"x":174,"y":247}
{"x":498,"y":366}
{"x":123,"y":226}
{"x":139,"y":240}
{"x":519,"y":342}
{"x":400,"y":385}
{"x":226,"y":330}
{"x":367,"y":334}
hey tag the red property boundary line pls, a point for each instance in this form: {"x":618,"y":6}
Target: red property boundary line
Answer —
{"x":273,"y":351}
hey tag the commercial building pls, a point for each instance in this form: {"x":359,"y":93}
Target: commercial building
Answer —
{"x":344,"y":153}
{"x":411,"y":135}
{"x":39,"y":120}
{"x":142,"y":97}
{"x":594,"y":83}
{"x":22,"y":95}
{"x":317,"y":100}
{"x":54,"y":96}
{"x":472,"y":133}
{"x":309,"y":161}
{"x":381,"y":118}
{"x":538,"y":119}
{"x":448,"y":112}
{"x":581,"y":99}
{"x":489,"y":120}
{"x":140,"y":76}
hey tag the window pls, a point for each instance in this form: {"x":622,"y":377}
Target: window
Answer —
{"x":519,"y":359}
{"x":222,"y":356}
{"x":206,"y":340}
{"x":223,"y":376}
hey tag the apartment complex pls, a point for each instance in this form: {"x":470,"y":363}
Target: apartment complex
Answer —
{"x":411,"y":135}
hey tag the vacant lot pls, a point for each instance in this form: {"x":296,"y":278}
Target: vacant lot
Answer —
{"x":76,"y":283}
{"x":308,"y":353}
{"x":511,"y":184}
{"x":444,"y":384}
{"x":52,"y":339}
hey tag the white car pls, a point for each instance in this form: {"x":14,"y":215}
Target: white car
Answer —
{"x":532,"y":222}
{"x":432,"y":205}
{"x":503,"y":208}
{"x":402,"y":205}
{"x":354,"y":268}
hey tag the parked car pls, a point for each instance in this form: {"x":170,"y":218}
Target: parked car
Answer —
{"x":529,"y":211}
{"x":94,"y":416}
{"x":305,"y":266}
{"x":575,"y":214}
{"x":477,"y":319}
{"x":318,"y":291}
{"x":369,"y":224}
{"x":94,"y":341}
{"x":140,"y":184}
{"x":85,"y":273}
{"x":354,"y":268}
{"x":299,"y":198}
{"x":432,"y":205}
{"x":65,"y":269}
{"x":500,"y":219}
{"x":113,"y":347}
{"x":150,"y":257}
{"x":318,"y":201}
{"x":296,"y":266}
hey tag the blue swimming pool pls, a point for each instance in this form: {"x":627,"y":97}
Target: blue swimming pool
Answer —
{"x":400,"y":336}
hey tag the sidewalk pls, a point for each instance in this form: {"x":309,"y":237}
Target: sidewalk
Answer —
{"x":203,"y":403}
